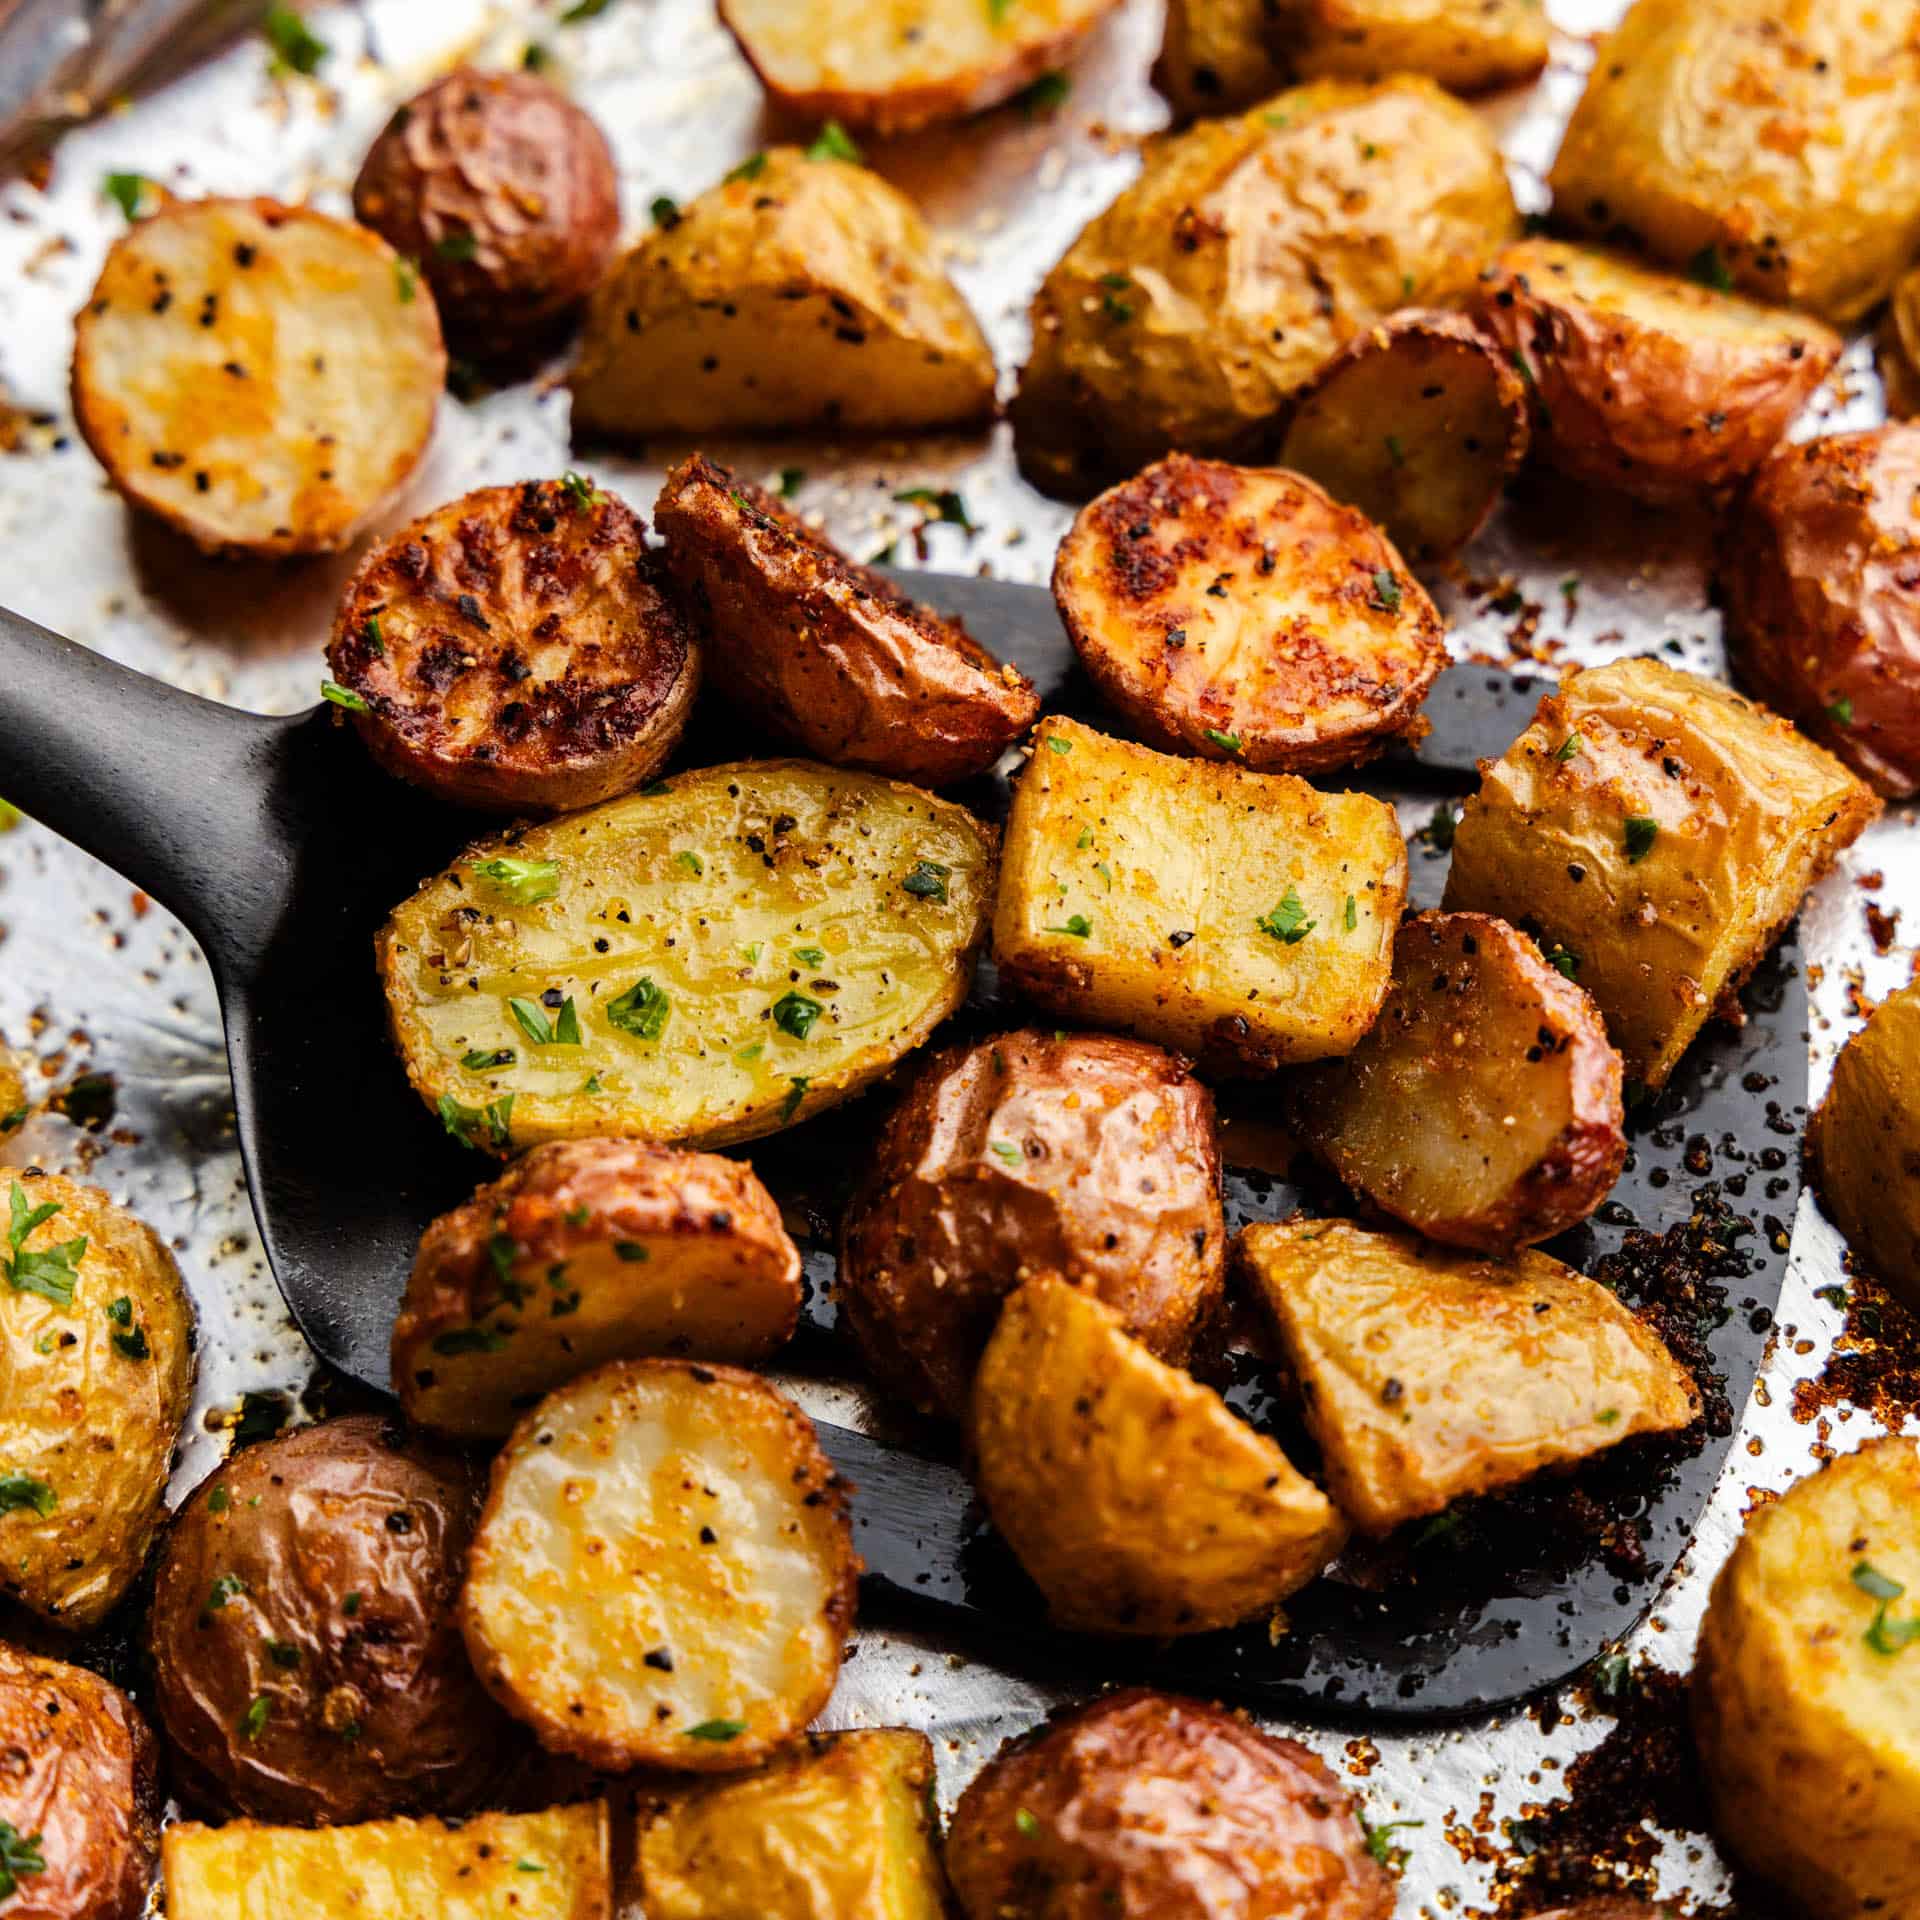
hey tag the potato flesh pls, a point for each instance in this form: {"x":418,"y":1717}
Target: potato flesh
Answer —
{"x":1215,"y":58}
{"x":675,"y":887}
{"x":1467,"y":49}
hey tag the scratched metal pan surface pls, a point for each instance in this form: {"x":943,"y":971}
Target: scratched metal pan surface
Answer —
{"x":103,"y":987}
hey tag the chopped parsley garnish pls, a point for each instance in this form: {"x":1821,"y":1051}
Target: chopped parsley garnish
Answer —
{"x":461,"y":244}
{"x":525,"y":882}
{"x":717,"y":1730}
{"x":464,"y":1122}
{"x":927,"y":881}
{"x":50,"y":1273}
{"x":1105,"y":872}
{"x":19,"y":1856}
{"x":229,"y":1586}
{"x":1025,"y":1821}
{"x":1613,"y":1676}
{"x":563,"y":1031}
{"x":1353,"y":913}
{"x":19,"y":1490}
{"x":294,"y":43}
{"x":484,"y":1059}
{"x":581,"y":491}
{"x":1379,"y":1841}
{"x":1569,"y":747}
{"x":630,"y":1251}
{"x":795,"y":1013}
{"x":1886,"y":1635}
{"x":1438,"y":832}
{"x":1045,"y":95}
{"x":350,"y":1604}
{"x":1117,"y":310}
{"x":1641,"y":833}
{"x":940,"y":505}
{"x":809,"y":956}
{"x":283,"y":1654}
{"x":1226,"y":742}
{"x":528,"y":1866}
{"x":641,"y":1011}
{"x":665,"y":211}
{"x":1396,"y":451}
{"x":120,"y":1311}
{"x":536,"y":59}
{"x":255,"y":1718}
{"x":1288,"y":922}
{"x":370,"y":632}
{"x":1387,"y":595}
{"x":583,"y":10}
{"x":792,"y":479}
{"x":691,"y":861}
{"x":342,"y":696}
{"x":1007,"y":1151}
{"x":834,"y":143}
{"x":470,"y":1340}
{"x":751,"y":168}
{"x":1710,"y":269}
{"x":1565,"y":962}
{"x":17,"y":1118}
{"x":1841,"y":713}
{"x":1055,"y":744}
{"x":1078,"y":926}
{"x":795,"y":1094}
{"x":132,"y":1346}
{"x":127,"y":191}
{"x":262,"y":1415}
{"x":406,"y":279}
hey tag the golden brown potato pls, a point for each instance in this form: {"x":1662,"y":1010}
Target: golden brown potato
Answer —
{"x":1897,"y":346}
{"x":79,"y":1794}
{"x":585,"y":1251}
{"x":1760,"y":144}
{"x":1468,"y":46}
{"x":519,"y":649}
{"x":1215,"y":56}
{"x":1607,"y":1908}
{"x":664,"y":1575}
{"x":1239,"y":614}
{"x":262,"y":378}
{"x":16,"y":1103}
{"x":306,"y":1653}
{"x":1077,"y":1153}
{"x":1134,"y":1498}
{"x":1243,"y":918}
{"x":1248,"y":251}
{"x":1145,"y":1806}
{"x":1656,"y":832}
{"x":797,"y":293}
{"x":1820,"y":572}
{"x":1484,"y":1105}
{"x":1642,"y":381}
{"x":829,"y":654}
{"x":1806,"y":1694}
{"x":1427,"y":1375}
{"x":96,"y":1350}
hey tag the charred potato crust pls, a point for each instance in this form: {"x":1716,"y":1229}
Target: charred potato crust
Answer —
{"x":306,"y":1652}
{"x":1468,"y":48}
{"x":827,"y":653}
{"x":518,"y":649}
{"x":1080,"y":1153}
{"x":1146,"y":1806}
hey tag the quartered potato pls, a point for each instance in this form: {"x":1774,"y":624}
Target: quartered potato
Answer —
{"x":1897,"y":346}
{"x":697,"y":964}
{"x":829,"y":654}
{"x":1806,"y":1694}
{"x":901,"y":64}
{"x":1130,"y":1493}
{"x":1419,"y":422}
{"x":1655,"y":832}
{"x":1240,"y":614}
{"x":1243,"y":918}
{"x":1468,"y":46}
{"x":96,"y":1347}
{"x":840,"y":1827}
{"x":517,"y":649}
{"x":585,"y":1251}
{"x":1427,"y":1375}
{"x":664,"y":1574}
{"x":1484,"y":1105}
{"x":262,"y":378}
{"x":1216,"y":56}
{"x":1646,"y":382}
{"x":1247,"y":251}
{"x":1764,"y":144}
{"x":797,"y":293}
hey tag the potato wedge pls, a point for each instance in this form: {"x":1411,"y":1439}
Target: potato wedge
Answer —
{"x":1484,"y":1106}
{"x":96,"y":1347}
{"x":1427,"y":1375}
{"x":1239,"y":614}
{"x":262,"y":378}
{"x":1215,"y":57}
{"x":519,"y":649}
{"x":1656,"y":832}
{"x":841,"y":1827}
{"x":1897,"y":349}
{"x":903,"y":64}
{"x":1247,"y":251}
{"x":1657,"y":386}
{"x":1765,"y":146}
{"x":1806,"y":1695}
{"x":1468,"y":48}
{"x":16,"y":1103}
{"x":1243,"y":918}
{"x":681,"y":925}
{"x":1136,"y":1501}
{"x":1418,"y":422}
{"x":828,"y":654}
{"x":797,"y":293}
{"x":664,"y":1574}
{"x":551,"y":1865}
{"x":585,"y":1251}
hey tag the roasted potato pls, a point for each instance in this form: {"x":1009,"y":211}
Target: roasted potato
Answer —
{"x":1897,"y":346}
{"x":1243,"y":918}
{"x":797,"y":293}
{"x":1130,"y":1493}
{"x":1864,"y":1144}
{"x":307,"y":1661}
{"x":1418,"y":422}
{"x":96,"y":1349}
{"x":664,"y":1574}
{"x":1248,"y":251}
{"x":1145,"y":1806}
{"x":1215,"y":56}
{"x":1656,"y":832}
{"x":16,"y":1103}
{"x":1820,"y":573}
{"x":1077,"y":1153}
{"x":1806,"y":1694}
{"x":519,"y":649}
{"x":1468,"y":46}
{"x":905,"y":63}
{"x":841,"y":1827}
{"x":551,"y":1865}
{"x":1239,"y":614}
{"x":1764,"y":144}
{"x":504,"y":192}
{"x":1608,"y":1908}
{"x":1484,"y":1105}
{"x":1645,"y":382}
{"x":741,"y":947}
{"x":829,"y":654}
{"x":79,"y":1794}
{"x":262,"y":378}
{"x":1427,"y":1375}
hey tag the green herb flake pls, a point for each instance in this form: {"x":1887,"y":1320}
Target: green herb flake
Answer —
{"x":219,"y":1500}
{"x":795,"y":1013}
{"x":1117,"y":310}
{"x":1026,"y":1823}
{"x":717,"y":1730}
{"x":370,"y":632}
{"x":927,"y":881}
{"x":120,"y":1311}
{"x":1877,"y":1585}
{"x":283,"y":1654}
{"x":1085,"y":840}
{"x":1047,"y":94}
{"x":1353,"y":913}
{"x":525,"y":882}
{"x":19,"y":1856}
{"x":470,"y":1340}
{"x":1007,"y":1151}
{"x":691,"y":861}
{"x":342,"y":696}
{"x":641,"y":1011}
{"x":1438,"y":832}
{"x":1380,"y":1840}
{"x":350,"y":1604}
{"x":1288,"y":922}
{"x":747,"y":1055}
{"x":834,"y":143}
{"x":584,"y":10}
{"x":1841,"y":713}
{"x":665,"y":211}
{"x":50,"y":1272}
{"x":1641,"y":832}
{"x":792,"y":479}
{"x":536,"y":58}
{"x":1608,"y":1416}
{"x":583,"y":495}
{"x":465,"y":1122}
{"x":254,"y":1720}
{"x":1056,"y":744}
{"x":631,"y":1251}
{"x":1613,"y":1676}
{"x":809,"y":957}
{"x":1396,"y":450}
{"x":795,"y":1094}
{"x":1710,"y":269}
{"x":1565,"y":962}
{"x":1078,"y":926}
{"x":563,"y":1031}
{"x":528,"y":1866}
{"x":1387,"y":594}
{"x":1105,"y":872}
{"x":127,"y":191}
{"x":1278,"y":119}
{"x":133,"y":1345}
{"x":294,"y":44}
{"x":485,"y":1059}
{"x":17,"y":1118}
{"x":406,"y":279}
{"x":21,"y":1490}
{"x":943,"y":505}
{"x":461,"y":244}
{"x":1226,"y":742}
{"x":751,"y":168}
{"x":1568,"y":747}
